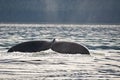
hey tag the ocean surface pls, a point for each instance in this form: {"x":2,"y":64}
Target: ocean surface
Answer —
{"x":103,"y":42}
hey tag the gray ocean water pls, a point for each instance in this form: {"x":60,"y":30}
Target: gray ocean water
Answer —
{"x":103,"y":42}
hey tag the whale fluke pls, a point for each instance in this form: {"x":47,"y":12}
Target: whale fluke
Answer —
{"x":31,"y":46}
{"x":69,"y":47}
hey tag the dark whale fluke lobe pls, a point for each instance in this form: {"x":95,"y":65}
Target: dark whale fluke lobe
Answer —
{"x":31,"y":46}
{"x":69,"y":47}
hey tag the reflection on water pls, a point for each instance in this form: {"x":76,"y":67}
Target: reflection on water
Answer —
{"x":103,"y":42}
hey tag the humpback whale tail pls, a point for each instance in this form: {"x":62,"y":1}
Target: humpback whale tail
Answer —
{"x":61,"y":47}
{"x":69,"y":47}
{"x":31,"y":46}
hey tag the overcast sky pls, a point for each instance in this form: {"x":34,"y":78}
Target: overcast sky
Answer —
{"x":60,"y":11}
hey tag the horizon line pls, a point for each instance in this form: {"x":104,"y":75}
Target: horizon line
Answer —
{"x":52,"y":25}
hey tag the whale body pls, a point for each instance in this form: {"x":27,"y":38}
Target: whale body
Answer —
{"x":31,"y":46}
{"x":69,"y":47}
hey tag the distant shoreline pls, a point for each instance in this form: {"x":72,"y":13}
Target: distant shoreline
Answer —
{"x":54,"y":25}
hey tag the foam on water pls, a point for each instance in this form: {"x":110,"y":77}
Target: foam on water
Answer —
{"x":52,"y":65}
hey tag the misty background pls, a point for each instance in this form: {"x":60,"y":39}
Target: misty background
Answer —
{"x":60,"y":11}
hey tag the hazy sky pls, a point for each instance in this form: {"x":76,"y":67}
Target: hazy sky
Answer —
{"x":60,"y":11}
